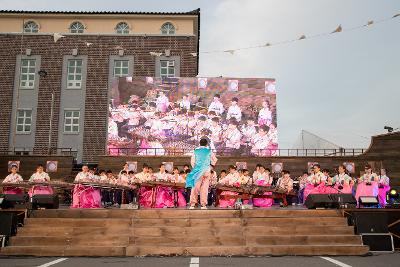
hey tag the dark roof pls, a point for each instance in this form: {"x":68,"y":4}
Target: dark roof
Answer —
{"x":193,"y":12}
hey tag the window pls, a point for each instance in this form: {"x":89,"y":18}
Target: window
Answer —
{"x":31,"y":27}
{"x":74,"y":74}
{"x":71,"y":121}
{"x":122,"y":28}
{"x":76,"y":27}
{"x":27,"y":73}
{"x":24,"y":121}
{"x":167,"y":28}
{"x":121,"y":68}
{"x":167,"y":68}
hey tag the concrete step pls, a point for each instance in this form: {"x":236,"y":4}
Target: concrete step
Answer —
{"x":89,"y":240}
{"x":70,"y":251}
{"x":275,"y":250}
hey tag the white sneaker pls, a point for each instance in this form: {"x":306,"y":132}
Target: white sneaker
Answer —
{"x":203,"y":208}
{"x":191,"y":207}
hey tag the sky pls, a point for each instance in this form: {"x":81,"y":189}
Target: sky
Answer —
{"x":344,"y":87}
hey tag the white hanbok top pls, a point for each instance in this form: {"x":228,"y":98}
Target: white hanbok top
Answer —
{"x":265,"y":114}
{"x":233,"y":139}
{"x":317,"y":178}
{"x":13,"y":178}
{"x":383,"y":179}
{"x":217,"y":107}
{"x":342,"y":178}
{"x":39,"y":177}
{"x":368,"y":178}
{"x":84,"y":177}
{"x":234,"y":112}
{"x":185,"y":104}
{"x":230,"y":179}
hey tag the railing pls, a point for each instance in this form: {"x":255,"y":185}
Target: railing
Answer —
{"x":174,"y":151}
{"x":59,"y":151}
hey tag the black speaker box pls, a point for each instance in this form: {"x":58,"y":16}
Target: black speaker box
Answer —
{"x":330,"y":201}
{"x":370,"y":222}
{"x":14,"y":201}
{"x":8,"y":224}
{"x":45,"y":201}
{"x":378,"y":242}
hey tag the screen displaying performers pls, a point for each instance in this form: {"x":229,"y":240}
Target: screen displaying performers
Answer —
{"x":168,"y":116}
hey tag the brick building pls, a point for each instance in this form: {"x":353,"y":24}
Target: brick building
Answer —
{"x":56,"y":68}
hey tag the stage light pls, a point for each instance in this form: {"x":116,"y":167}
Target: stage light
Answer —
{"x":368,"y":201}
{"x":393,"y":193}
{"x":393,"y":199}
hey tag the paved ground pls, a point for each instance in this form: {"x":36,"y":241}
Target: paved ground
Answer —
{"x":378,"y":260}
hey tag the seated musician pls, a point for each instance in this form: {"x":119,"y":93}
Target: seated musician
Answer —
{"x":329,"y":183}
{"x":13,"y":178}
{"x":262,"y":178}
{"x":367,"y":183}
{"x":145,"y":192}
{"x":179,"y":177}
{"x":124,"y":179}
{"x":260,"y":142}
{"x":343,"y":181}
{"x":40,"y":177}
{"x":244,"y":177}
{"x":212,"y":192}
{"x":315,"y":183}
{"x":232,"y":180}
{"x":107,"y":194}
{"x":302,"y":184}
{"x":384,"y":187}
{"x":285,"y":184}
{"x":85,"y":196}
{"x":164,"y":194}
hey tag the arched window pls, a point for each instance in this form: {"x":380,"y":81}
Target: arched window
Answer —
{"x":167,"y":28}
{"x":122,"y":28}
{"x":76,"y":27}
{"x":31,"y":27}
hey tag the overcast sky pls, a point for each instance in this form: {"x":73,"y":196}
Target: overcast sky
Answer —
{"x":344,"y":87}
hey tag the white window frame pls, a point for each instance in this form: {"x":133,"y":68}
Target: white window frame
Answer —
{"x":168,"y":29}
{"x":124,"y":30}
{"x":24,"y":123}
{"x":24,"y":83}
{"x":73,"y":28}
{"x":75,"y":71}
{"x":71,"y":124}
{"x":167,"y":68}
{"x":120,"y":68}
{"x":31,"y":27}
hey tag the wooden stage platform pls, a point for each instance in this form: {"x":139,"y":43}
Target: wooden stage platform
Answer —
{"x":170,"y":232}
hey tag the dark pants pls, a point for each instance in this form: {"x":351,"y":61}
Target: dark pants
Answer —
{"x":212,"y":197}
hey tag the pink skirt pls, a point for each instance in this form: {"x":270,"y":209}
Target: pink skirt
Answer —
{"x":263,"y":202}
{"x":40,"y":190}
{"x":347,"y":189}
{"x":382,"y":195}
{"x":228,"y":202}
{"x":164,"y":197}
{"x":311,"y":189}
{"x":367,"y":190}
{"x":86,"y":197}
{"x":146,"y":197}
{"x":12,"y":191}
{"x":181,"y":199}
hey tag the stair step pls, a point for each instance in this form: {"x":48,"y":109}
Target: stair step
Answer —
{"x":274,"y":250}
{"x":72,"y":231}
{"x":303,"y":240}
{"x":70,"y":251}
{"x":93,"y":240}
{"x":71,"y":222}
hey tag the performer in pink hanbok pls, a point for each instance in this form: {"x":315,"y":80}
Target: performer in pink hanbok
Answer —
{"x":164,"y":195}
{"x":273,"y":140}
{"x":315,"y":183}
{"x":146,"y":193}
{"x":265,"y":114}
{"x":13,"y":178}
{"x":260,"y":142}
{"x":343,"y":181}
{"x":263,"y":178}
{"x":162,"y":102}
{"x":231,"y":179}
{"x":367,"y":184}
{"x":83,"y":196}
{"x":383,"y":185}
{"x":40,"y":177}
{"x":285,"y":183}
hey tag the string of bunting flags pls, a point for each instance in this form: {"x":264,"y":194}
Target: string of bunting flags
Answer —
{"x":338,"y":29}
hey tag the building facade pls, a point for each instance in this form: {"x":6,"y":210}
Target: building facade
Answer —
{"x":56,"y":68}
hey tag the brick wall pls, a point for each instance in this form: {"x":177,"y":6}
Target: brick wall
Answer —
{"x":97,"y":78}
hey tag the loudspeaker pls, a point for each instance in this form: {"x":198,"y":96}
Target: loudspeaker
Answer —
{"x":330,"y":201}
{"x":45,"y":201}
{"x":8,"y":224}
{"x":14,"y":201}
{"x":378,"y":242}
{"x":370,"y":222}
